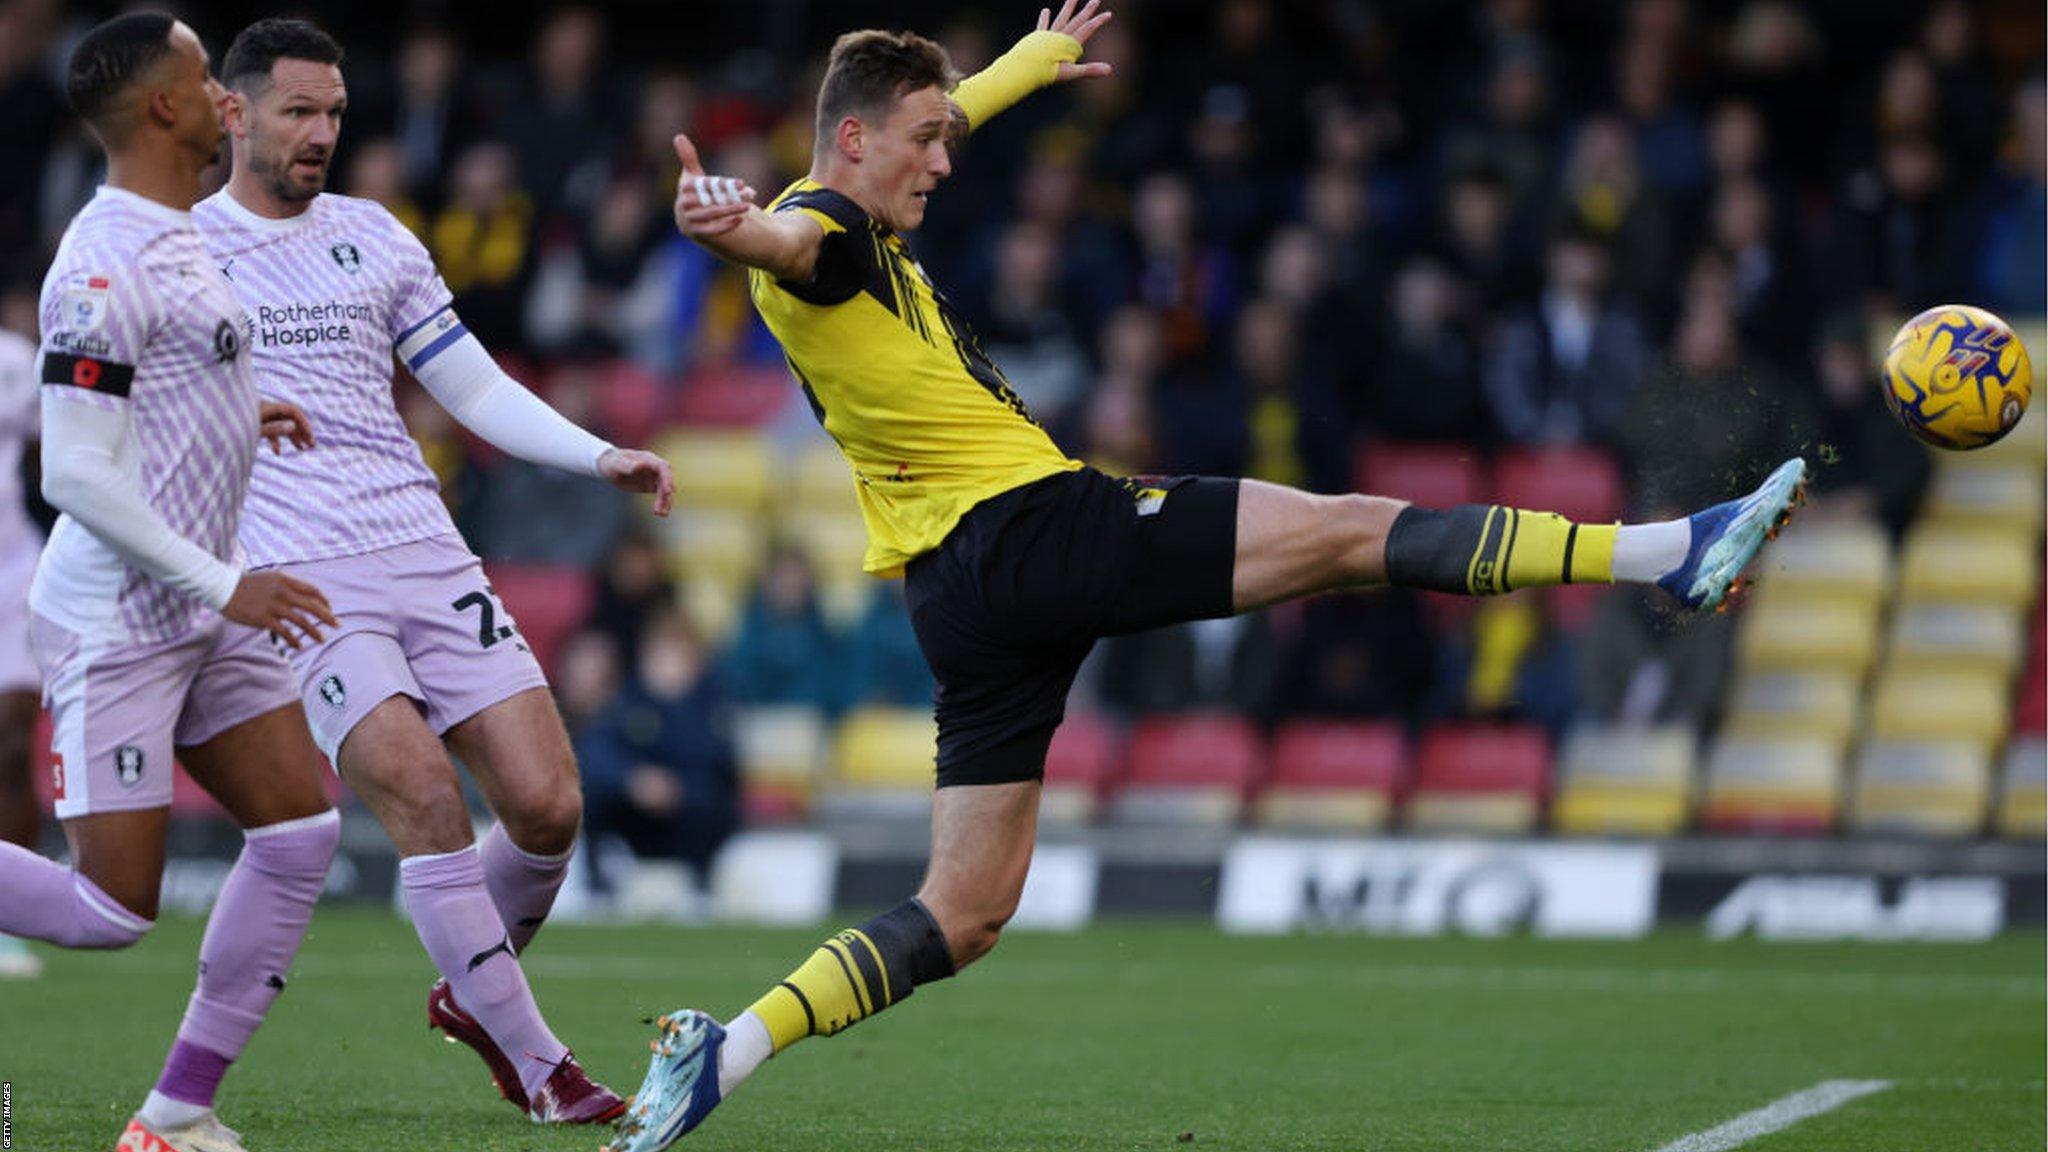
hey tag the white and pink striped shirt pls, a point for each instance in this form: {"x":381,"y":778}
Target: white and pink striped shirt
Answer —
{"x":136,"y":315}
{"x":333,"y":293}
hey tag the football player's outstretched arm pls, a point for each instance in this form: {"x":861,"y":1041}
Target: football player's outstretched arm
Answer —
{"x":1047,"y":55}
{"x":718,"y":212}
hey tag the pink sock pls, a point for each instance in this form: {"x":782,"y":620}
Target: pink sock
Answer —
{"x":459,"y":925}
{"x":251,"y":939}
{"x":43,"y":900}
{"x":522,"y":884}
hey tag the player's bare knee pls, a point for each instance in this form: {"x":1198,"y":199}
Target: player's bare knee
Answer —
{"x":546,"y":822}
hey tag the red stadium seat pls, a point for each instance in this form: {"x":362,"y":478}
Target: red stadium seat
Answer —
{"x":1081,"y":765}
{"x":1432,"y":475}
{"x":1331,"y":776}
{"x":1480,"y":778}
{"x":631,"y":402}
{"x":1197,"y":751}
{"x":1581,"y":484}
{"x":734,"y":397}
{"x":1315,"y":754}
{"x":1190,"y":770}
{"x":549,"y":603}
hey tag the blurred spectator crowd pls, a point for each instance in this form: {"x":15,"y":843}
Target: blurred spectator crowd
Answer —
{"x":1644,"y":246}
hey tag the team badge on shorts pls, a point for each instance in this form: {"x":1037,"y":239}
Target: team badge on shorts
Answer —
{"x":128,"y":765}
{"x":332,"y":691}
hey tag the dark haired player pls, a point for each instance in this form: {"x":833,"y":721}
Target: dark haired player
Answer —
{"x":149,"y":634}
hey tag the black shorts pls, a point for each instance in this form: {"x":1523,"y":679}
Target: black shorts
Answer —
{"x":1010,"y":604}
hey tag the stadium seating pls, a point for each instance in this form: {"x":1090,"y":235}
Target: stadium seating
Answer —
{"x":820,"y":480}
{"x":1080,"y":766}
{"x":1783,"y":784}
{"x":1331,"y":776}
{"x":725,"y":547}
{"x":719,"y":471}
{"x":1582,"y":484}
{"x":781,"y":753}
{"x":549,"y":603}
{"x":1943,"y":565}
{"x":1823,"y":704}
{"x":1189,"y":770}
{"x":1973,"y":707}
{"x":716,"y":607}
{"x":1850,"y":560}
{"x":1786,"y":634}
{"x":2023,"y":790}
{"x":1479,"y":779}
{"x":1616,"y":781}
{"x":886,"y":759}
{"x":1956,"y":637}
{"x":630,"y":402}
{"x":1432,"y":475}
{"x":1920,"y":789}
{"x":2006,"y":497}
{"x":735,"y":397}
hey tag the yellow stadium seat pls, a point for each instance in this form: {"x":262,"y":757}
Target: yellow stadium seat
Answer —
{"x":1774,"y":784}
{"x":1920,"y":789}
{"x":2006,"y":497}
{"x":1834,"y":561}
{"x":781,"y":744}
{"x":716,"y":607}
{"x":1489,"y":814}
{"x":1624,"y":781}
{"x":726,"y":546}
{"x":1795,"y":635}
{"x":1969,"y":566}
{"x":2023,"y":790}
{"x":1956,"y":637}
{"x":845,"y":599}
{"x":1970,"y":707}
{"x":2027,"y":444}
{"x":1322,"y":809}
{"x":821,"y":480}
{"x":721,"y":471}
{"x":888,"y":748}
{"x":1823,"y":704}
{"x":833,"y":542}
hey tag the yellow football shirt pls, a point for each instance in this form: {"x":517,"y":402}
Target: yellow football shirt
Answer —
{"x":925,"y":418}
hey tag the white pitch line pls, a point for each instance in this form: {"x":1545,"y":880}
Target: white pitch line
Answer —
{"x":1825,"y":1096}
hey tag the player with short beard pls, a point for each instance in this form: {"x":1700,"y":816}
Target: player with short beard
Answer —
{"x":424,"y":652}
{"x":149,"y":633}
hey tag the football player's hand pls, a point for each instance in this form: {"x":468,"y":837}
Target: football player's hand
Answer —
{"x":279,"y":604}
{"x":636,"y":471}
{"x":707,"y":205}
{"x":1080,"y":25}
{"x":281,"y":422}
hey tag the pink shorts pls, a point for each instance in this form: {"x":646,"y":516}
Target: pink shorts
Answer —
{"x":118,"y":709}
{"x":417,"y":620}
{"x":18,"y":672}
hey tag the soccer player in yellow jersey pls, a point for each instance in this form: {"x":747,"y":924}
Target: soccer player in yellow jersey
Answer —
{"x":1018,"y":558}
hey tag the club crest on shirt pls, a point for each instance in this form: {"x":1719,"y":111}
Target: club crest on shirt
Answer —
{"x":345,"y":254}
{"x":128,"y":764}
{"x":85,"y":301}
{"x":227,"y":342}
{"x":331,"y":690}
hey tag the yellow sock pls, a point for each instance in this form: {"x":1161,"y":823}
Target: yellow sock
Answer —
{"x":843,"y":983}
{"x":1519,"y":549}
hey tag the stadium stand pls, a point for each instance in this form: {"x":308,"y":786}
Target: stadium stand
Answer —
{"x":1488,"y":779}
{"x":1581,"y":484}
{"x":1333,"y":776}
{"x":1820,"y":704}
{"x":548,"y":602}
{"x":883,"y":761}
{"x":782,"y":753}
{"x":1080,"y":767}
{"x":1189,"y":770}
{"x":1777,"y":784}
{"x":2023,"y":790}
{"x":1933,"y":789}
{"x":1616,"y":781}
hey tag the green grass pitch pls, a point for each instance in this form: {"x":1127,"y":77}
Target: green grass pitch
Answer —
{"x":1128,"y":1036}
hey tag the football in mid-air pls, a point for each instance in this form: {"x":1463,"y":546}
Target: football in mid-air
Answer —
{"x":1957,"y":377}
